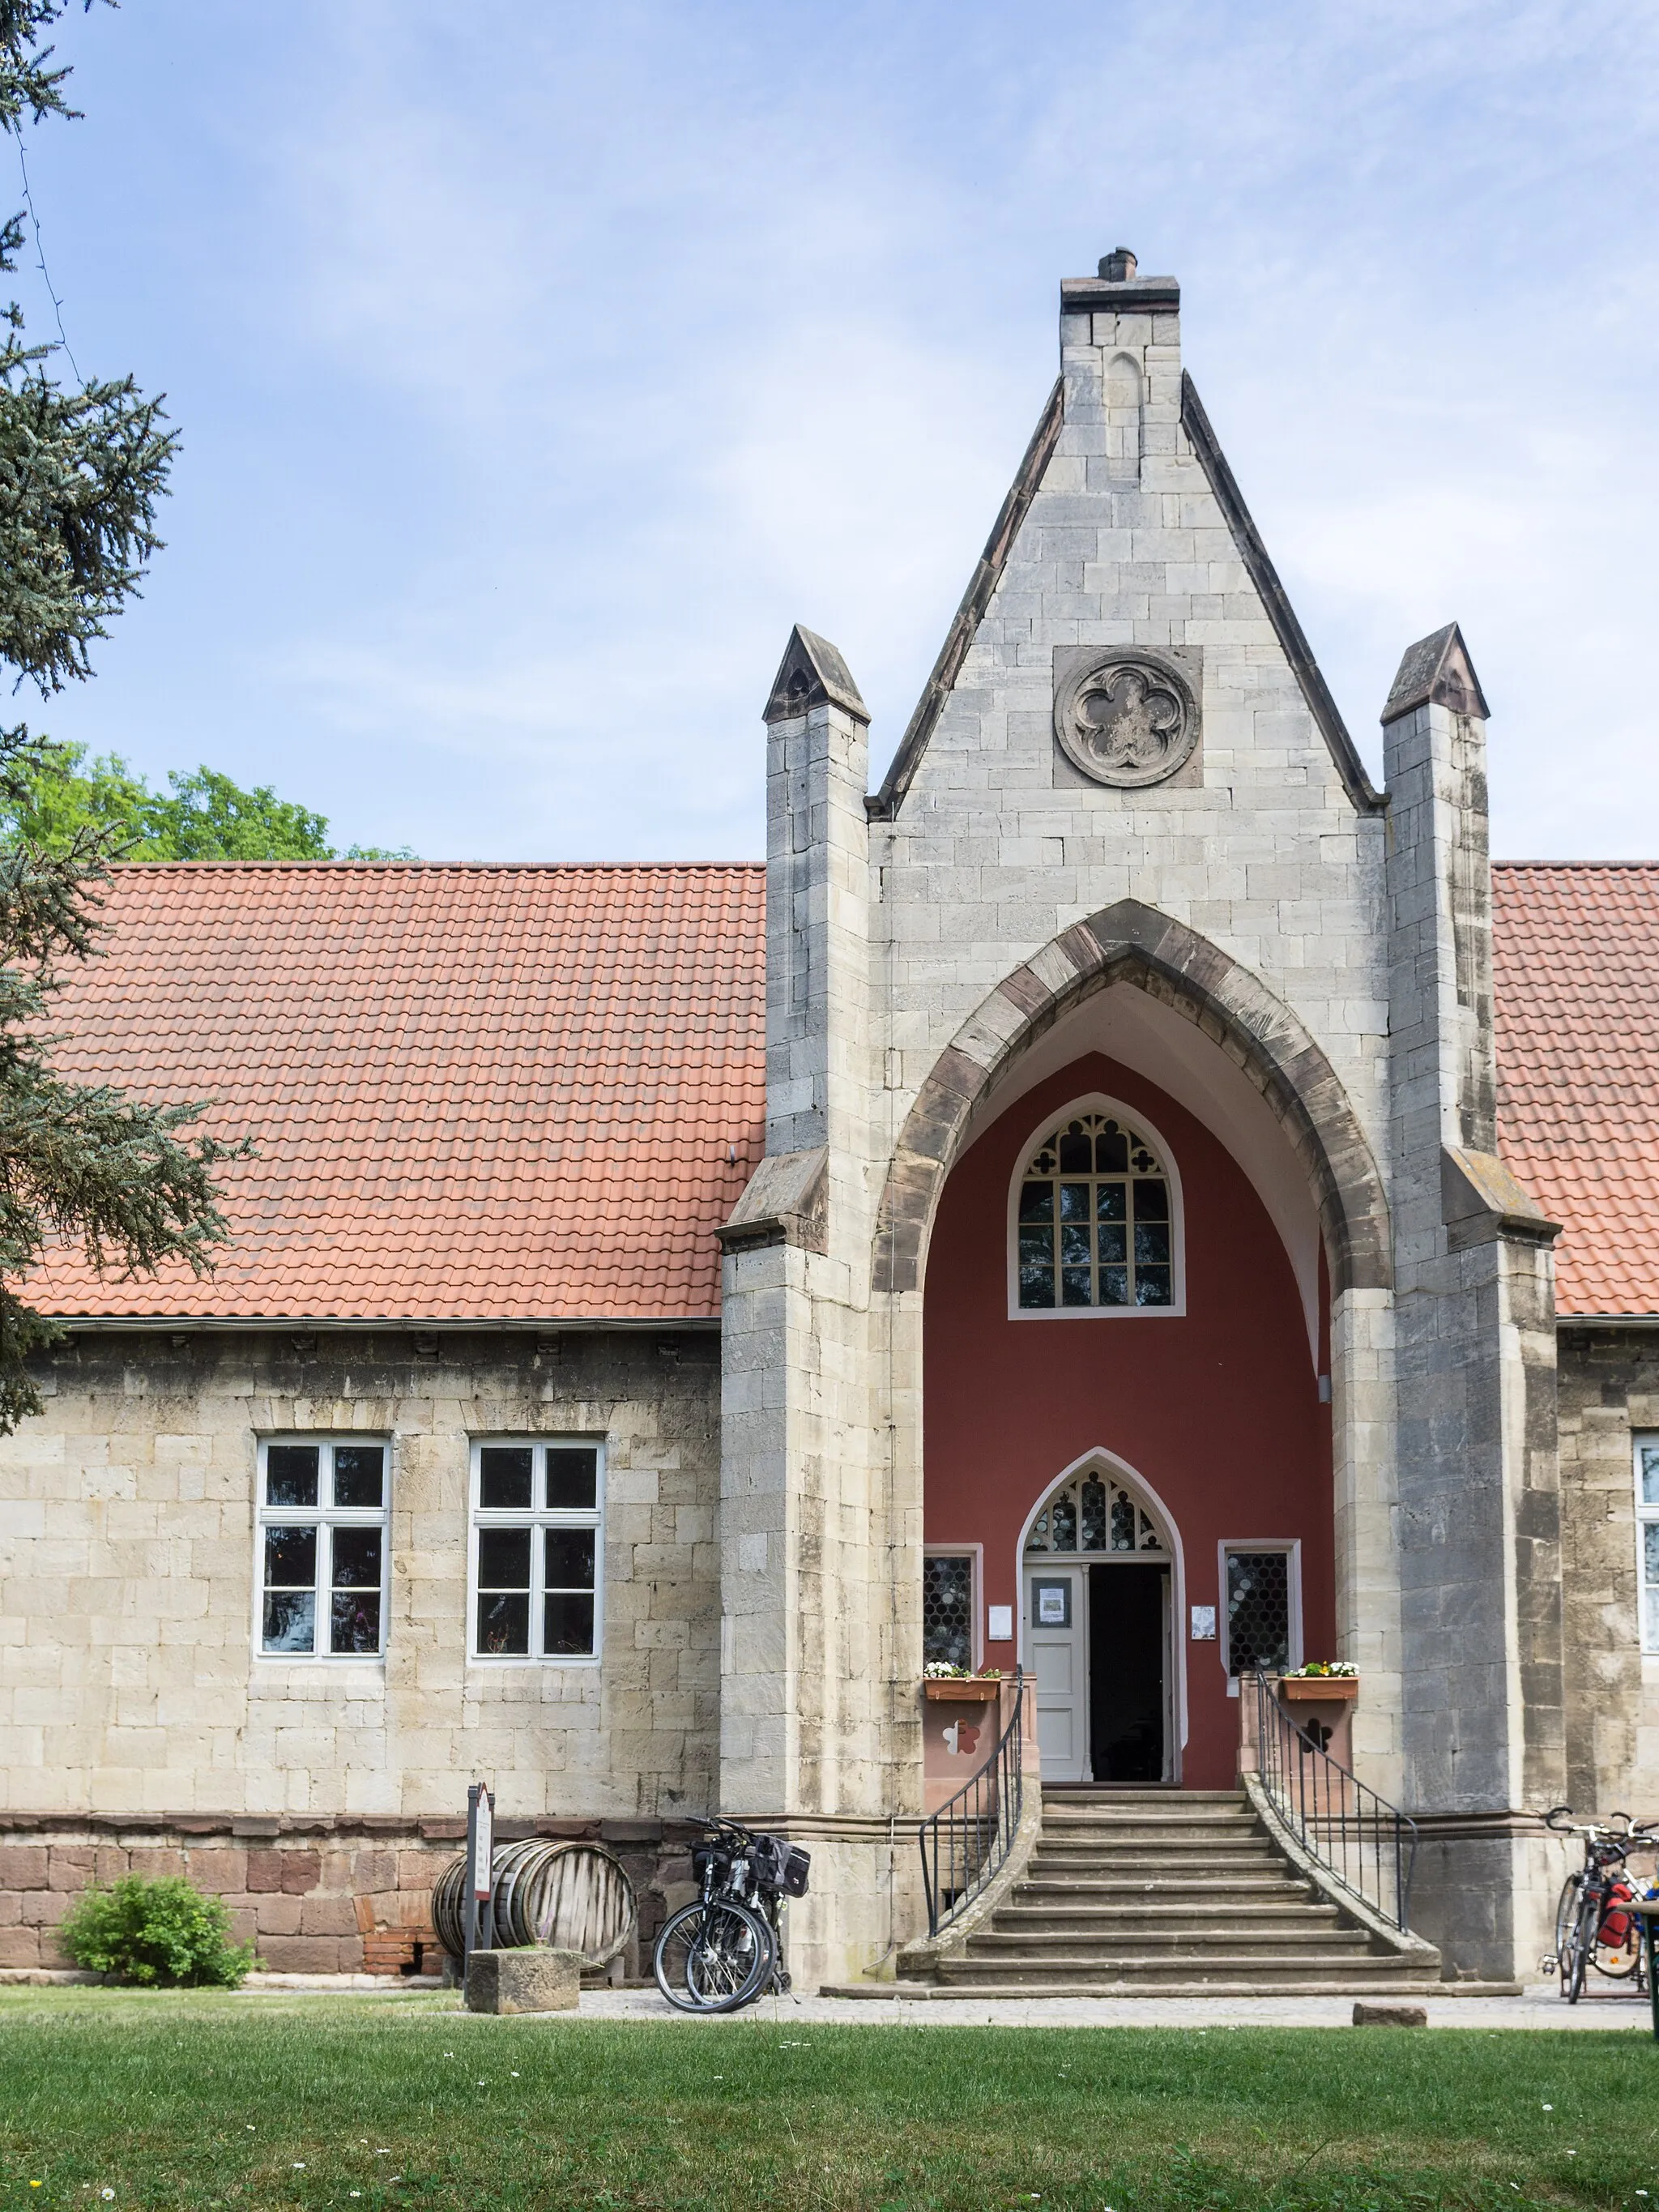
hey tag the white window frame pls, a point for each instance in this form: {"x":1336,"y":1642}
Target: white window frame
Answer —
{"x":1646,"y":1517}
{"x":537,"y":1518}
{"x":323,"y":1517}
{"x":1292,"y":1545}
{"x":975,"y":1555}
{"x":1096,"y":1101}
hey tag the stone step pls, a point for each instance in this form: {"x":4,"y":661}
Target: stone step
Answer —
{"x":1073,"y":1948}
{"x":1057,"y":1795}
{"x":1314,"y":1966}
{"x":1149,"y":1852}
{"x":1151,"y":1835}
{"x":1026,"y":1912}
{"x":1258,"y":1985}
{"x":1264,"y":1888}
{"x":1174,"y":1817}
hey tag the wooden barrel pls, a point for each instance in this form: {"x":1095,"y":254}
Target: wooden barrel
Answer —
{"x":573,"y":1897}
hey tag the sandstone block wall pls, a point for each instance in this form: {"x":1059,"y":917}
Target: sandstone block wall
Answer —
{"x":131,"y":1684}
{"x":320,"y":1896}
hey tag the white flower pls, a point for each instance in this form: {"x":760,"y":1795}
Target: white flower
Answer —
{"x":106,"y":2192}
{"x":1549,"y":2108}
{"x":299,"y":2166}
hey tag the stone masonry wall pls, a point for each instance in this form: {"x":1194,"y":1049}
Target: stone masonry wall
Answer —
{"x":323,"y":1897}
{"x":131,"y":1690}
{"x":1258,"y":846}
{"x":1608,"y":1387}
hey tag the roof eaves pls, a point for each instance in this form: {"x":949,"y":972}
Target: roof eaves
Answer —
{"x":417,"y":1324}
{"x":1321,"y":705}
{"x":885,"y":803}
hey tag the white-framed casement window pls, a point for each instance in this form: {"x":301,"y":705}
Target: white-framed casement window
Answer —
{"x":1260,"y":1605}
{"x":322,"y":1537}
{"x":1646,"y":1443}
{"x":949,"y":1604}
{"x":536,"y":1551}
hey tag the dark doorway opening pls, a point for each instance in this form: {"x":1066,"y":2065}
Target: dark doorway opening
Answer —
{"x":1128,"y":1640}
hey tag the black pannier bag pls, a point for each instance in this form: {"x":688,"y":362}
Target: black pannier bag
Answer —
{"x":781,"y":1865}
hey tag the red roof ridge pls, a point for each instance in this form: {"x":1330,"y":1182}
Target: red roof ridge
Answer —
{"x":1576,"y":863}
{"x":455,"y":867}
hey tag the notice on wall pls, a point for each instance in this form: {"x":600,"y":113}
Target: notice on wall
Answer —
{"x":1052,"y":1604}
{"x":1204,"y":1624}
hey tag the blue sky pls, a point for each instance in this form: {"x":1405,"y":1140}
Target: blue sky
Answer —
{"x":538,"y":365}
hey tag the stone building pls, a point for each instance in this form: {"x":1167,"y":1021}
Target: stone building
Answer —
{"x":1092,"y":1203}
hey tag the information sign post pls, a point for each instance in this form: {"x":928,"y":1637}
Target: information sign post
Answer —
{"x":477,"y":1920}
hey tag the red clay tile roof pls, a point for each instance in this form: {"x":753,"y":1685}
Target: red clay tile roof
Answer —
{"x":478,"y":1093}
{"x":1576,"y":965}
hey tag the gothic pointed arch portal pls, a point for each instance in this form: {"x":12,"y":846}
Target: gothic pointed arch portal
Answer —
{"x":1130,"y":943}
{"x":1102,"y":1583}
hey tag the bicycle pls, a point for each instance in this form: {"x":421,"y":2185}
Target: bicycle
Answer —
{"x":719,"y":1952}
{"x":1590,"y":1929}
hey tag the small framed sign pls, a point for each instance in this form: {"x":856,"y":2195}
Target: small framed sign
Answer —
{"x":1051,"y":1604}
{"x":1204,"y":1624}
{"x":999,"y":1624}
{"x":484,"y":1850}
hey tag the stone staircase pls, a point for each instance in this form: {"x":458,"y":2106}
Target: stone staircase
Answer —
{"x":1167,"y":1892}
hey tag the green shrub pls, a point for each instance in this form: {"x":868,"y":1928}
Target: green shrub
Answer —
{"x":161,"y":1935}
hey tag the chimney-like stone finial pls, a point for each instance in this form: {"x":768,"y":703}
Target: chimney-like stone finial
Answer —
{"x":1118,"y":266}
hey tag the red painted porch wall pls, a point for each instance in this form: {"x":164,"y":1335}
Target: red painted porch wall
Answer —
{"x":1218,"y":1409}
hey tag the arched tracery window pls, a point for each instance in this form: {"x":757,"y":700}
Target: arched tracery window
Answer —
{"x":1094,"y":1219}
{"x":1093,"y":1513}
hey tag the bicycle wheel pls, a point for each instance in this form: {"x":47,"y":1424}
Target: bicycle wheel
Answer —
{"x":714,"y":1957}
{"x":1618,"y":1942}
{"x":1566,"y":1912}
{"x":1580,"y":1941}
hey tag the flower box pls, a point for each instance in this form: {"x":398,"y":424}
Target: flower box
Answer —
{"x":1318,"y":1689}
{"x":960,"y":1691}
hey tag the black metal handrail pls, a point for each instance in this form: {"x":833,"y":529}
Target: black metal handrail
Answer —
{"x":964,"y":1843}
{"x":1363,"y":1842}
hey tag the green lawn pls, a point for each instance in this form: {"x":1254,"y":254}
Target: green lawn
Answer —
{"x":201,"y":2100}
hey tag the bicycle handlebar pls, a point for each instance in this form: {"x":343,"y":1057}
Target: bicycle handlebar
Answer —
{"x":1598,"y":1830}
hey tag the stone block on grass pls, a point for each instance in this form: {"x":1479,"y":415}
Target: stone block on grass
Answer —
{"x":531,"y":1980}
{"x":1391,"y":2015}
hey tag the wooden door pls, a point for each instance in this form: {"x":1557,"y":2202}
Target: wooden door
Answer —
{"x":1057,"y":1653}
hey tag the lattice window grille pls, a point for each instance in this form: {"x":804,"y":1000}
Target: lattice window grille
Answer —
{"x":1258,"y":1612}
{"x":1090,"y":1513}
{"x":947,"y":1609}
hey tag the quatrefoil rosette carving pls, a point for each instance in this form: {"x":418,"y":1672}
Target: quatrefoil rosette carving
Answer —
{"x":1125,"y":717}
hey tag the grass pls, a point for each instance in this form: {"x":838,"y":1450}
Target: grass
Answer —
{"x":200,"y":2101}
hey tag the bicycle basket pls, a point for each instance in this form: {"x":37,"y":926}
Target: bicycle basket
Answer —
{"x":781,"y":1865}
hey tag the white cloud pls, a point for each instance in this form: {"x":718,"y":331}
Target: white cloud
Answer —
{"x":542,"y":364}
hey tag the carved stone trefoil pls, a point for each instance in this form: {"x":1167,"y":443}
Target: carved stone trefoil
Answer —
{"x":1125,"y":716}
